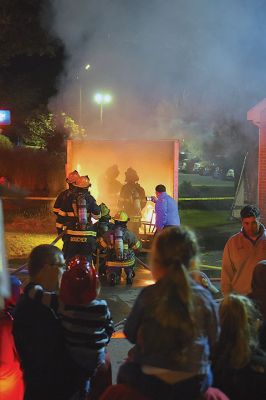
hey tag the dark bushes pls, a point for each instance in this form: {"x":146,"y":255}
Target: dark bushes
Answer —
{"x":38,"y":171}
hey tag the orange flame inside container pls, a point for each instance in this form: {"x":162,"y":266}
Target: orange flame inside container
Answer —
{"x":148,"y":219}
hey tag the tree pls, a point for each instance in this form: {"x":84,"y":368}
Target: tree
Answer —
{"x":49,"y":131}
{"x":74,"y":131}
{"x":41,"y":126}
{"x":5,"y":143}
{"x":31,"y":59}
{"x":22,"y":32}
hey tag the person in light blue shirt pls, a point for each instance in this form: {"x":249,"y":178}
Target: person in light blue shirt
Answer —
{"x":166,"y":209}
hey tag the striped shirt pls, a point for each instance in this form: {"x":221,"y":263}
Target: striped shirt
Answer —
{"x":87,"y":328}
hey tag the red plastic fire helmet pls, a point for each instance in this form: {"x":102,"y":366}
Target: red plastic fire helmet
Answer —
{"x":79,"y":282}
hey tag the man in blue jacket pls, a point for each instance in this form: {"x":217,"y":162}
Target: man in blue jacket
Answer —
{"x":166,"y":209}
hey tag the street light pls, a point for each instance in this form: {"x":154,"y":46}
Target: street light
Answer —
{"x":86,"y":68}
{"x":102,"y":99}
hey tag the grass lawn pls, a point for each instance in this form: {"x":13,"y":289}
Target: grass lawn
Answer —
{"x":198,"y":180}
{"x":203,"y":219}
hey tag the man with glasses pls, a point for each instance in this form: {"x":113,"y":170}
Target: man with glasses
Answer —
{"x":49,"y":373}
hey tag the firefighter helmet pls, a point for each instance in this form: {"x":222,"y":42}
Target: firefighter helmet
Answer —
{"x":83,"y":182}
{"x":72,"y":177}
{"x":131,"y":175}
{"x":104,"y":210}
{"x":121,"y":216}
{"x":79,"y":282}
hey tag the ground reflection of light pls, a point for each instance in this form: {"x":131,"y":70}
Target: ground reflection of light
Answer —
{"x":149,"y":282}
{"x":118,"y":335}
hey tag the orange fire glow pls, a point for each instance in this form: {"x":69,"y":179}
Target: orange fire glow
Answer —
{"x":105,"y":162}
{"x":148,"y":219}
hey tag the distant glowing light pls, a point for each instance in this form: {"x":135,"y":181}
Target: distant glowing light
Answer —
{"x":107,"y":98}
{"x":102,"y":98}
{"x":87,"y":67}
{"x":98,"y":98}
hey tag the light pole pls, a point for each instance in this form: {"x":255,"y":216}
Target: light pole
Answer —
{"x":101,"y":99}
{"x":86,"y":68}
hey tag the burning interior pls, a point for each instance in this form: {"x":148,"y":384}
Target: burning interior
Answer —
{"x":106,"y":161}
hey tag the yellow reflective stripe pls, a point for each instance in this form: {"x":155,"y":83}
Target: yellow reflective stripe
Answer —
{"x":81,"y":233}
{"x":62,"y":213}
{"x":120,"y":263}
{"x":56,"y":210}
{"x":137,"y":245}
{"x":126,"y":246}
{"x":102,"y":243}
{"x":57,"y":225}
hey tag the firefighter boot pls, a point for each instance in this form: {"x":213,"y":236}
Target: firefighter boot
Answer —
{"x":113,"y":276}
{"x":130,"y":275}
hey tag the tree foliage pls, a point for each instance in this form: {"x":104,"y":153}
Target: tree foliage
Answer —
{"x":5,"y":143}
{"x":40,"y":127}
{"x":21,"y":28}
{"x":49,"y":131}
{"x":74,"y":131}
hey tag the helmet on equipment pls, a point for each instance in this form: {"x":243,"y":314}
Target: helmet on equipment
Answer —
{"x":83,"y":182}
{"x":72,"y":177}
{"x":79,"y":282}
{"x":121,"y":216}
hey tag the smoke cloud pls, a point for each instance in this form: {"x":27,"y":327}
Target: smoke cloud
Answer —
{"x":184,"y":61}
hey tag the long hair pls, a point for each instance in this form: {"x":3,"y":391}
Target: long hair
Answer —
{"x":173,"y":309}
{"x":238,"y":332}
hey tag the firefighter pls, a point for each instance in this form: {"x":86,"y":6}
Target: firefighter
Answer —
{"x":62,"y":197}
{"x":102,"y":226}
{"x":75,"y":217}
{"x":120,"y":244}
{"x":111,"y":187}
{"x":132,"y":199}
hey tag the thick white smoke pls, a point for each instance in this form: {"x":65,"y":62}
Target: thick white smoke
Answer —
{"x":187,"y":61}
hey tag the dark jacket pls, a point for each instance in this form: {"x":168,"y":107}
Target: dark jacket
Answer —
{"x":48,"y":370}
{"x":67,"y":215}
{"x":131,"y":244}
{"x":245,"y":383}
{"x":132,"y":199}
{"x":58,"y":205}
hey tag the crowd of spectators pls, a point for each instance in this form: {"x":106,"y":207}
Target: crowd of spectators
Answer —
{"x":186,"y":345}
